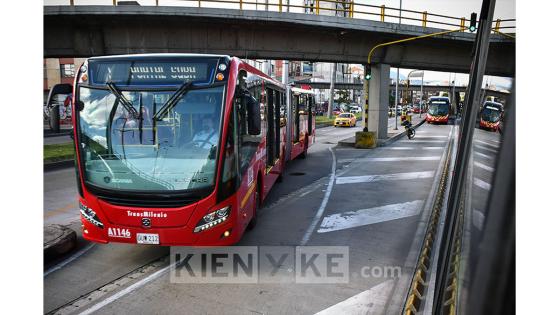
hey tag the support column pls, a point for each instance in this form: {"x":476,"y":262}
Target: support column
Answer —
{"x":378,"y":97}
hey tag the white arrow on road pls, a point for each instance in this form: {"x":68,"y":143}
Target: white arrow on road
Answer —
{"x":351,"y":219}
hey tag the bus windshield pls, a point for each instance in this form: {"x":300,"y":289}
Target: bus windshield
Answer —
{"x":133,"y":143}
{"x":438,"y":108}
{"x":490,"y":114}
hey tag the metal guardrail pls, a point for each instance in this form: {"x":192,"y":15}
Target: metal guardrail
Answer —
{"x":343,"y":8}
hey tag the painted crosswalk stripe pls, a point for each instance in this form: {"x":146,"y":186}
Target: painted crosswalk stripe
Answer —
{"x":487,"y":143}
{"x":411,"y":148}
{"x":421,"y":141}
{"x":363,"y":302}
{"x":351,"y":219}
{"x":478,"y":146}
{"x":482,"y":184}
{"x":482,"y":155}
{"x":392,"y":159}
{"x":484,"y":166}
{"x":376,"y":178}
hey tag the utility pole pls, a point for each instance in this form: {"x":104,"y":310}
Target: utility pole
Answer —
{"x":331,"y":91}
{"x":397,"y":83}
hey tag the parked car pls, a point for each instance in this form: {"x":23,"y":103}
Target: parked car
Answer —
{"x":355,"y":109}
{"x":345,"y":119}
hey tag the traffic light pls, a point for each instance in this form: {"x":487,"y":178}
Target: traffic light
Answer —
{"x":368,"y":72}
{"x":472,"y":26}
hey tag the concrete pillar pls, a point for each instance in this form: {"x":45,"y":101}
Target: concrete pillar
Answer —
{"x":378,"y":112}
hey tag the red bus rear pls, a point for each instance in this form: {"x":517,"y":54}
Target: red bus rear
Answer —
{"x":177,"y":149}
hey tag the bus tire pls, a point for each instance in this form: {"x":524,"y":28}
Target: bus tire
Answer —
{"x":254,"y":219}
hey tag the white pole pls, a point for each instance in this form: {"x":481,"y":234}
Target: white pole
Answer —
{"x":397,"y":99}
{"x":421,"y":93}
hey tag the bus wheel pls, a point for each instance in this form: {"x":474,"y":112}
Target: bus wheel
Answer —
{"x":253,"y":221}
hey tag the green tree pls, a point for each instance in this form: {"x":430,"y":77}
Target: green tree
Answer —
{"x":343,"y":96}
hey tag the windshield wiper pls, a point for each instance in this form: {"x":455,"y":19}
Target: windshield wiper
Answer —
{"x":173,"y":100}
{"x":126,"y":103}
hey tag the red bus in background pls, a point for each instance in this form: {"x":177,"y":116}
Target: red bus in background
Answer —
{"x":438,"y":110}
{"x":491,"y":115}
{"x":180,"y":149}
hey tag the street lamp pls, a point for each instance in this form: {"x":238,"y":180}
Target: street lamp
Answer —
{"x":418,"y":73}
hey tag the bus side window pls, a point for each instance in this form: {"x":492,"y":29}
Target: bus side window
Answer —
{"x":248,"y":144}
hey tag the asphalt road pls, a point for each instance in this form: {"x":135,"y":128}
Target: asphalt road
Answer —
{"x":371,"y":206}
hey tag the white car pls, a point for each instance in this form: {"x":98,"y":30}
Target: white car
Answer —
{"x":355,"y":109}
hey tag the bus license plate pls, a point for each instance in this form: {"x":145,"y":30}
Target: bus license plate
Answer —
{"x":144,"y":238}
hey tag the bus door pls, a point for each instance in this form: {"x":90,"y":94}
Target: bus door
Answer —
{"x":270,"y":127}
{"x":277,"y":105}
{"x":295,"y":115}
{"x":310,"y":111}
{"x":273,"y":128}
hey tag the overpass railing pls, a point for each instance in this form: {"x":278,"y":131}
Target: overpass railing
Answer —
{"x":357,"y":9}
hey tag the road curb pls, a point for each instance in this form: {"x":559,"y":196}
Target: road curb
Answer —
{"x":58,"y":240}
{"x":58,"y":134}
{"x":52,"y":166}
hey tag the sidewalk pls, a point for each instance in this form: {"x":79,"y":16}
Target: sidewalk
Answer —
{"x":392,"y":134}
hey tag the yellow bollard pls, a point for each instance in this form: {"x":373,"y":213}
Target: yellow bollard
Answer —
{"x":383,"y":13}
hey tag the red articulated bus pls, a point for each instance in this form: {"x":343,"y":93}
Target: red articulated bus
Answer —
{"x":180,"y":149}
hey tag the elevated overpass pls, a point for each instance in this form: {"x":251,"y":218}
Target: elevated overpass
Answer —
{"x":82,"y":31}
{"x":402,"y":87}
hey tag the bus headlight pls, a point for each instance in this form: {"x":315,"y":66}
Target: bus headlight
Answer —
{"x":90,"y":215}
{"x":212,"y":219}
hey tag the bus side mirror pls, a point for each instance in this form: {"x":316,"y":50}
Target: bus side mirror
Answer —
{"x":253,"y":115}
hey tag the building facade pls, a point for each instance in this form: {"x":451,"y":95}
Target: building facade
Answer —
{"x":59,"y":70}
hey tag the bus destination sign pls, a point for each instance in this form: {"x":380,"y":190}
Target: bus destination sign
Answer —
{"x":149,"y":73}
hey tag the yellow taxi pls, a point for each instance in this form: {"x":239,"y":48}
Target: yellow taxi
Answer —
{"x":345,"y":119}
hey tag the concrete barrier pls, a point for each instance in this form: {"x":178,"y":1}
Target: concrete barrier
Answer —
{"x":365,"y":139}
{"x":58,"y":240}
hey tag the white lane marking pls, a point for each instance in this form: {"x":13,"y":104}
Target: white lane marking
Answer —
{"x":482,"y":184}
{"x":392,"y":159}
{"x":304,"y":193}
{"x":428,"y":136}
{"x":421,"y":141}
{"x":351,"y":219}
{"x":125,"y":291}
{"x":69,"y":260}
{"x":321,"y":209}
{"x":478,"y":219}
{"x":487,"y":143}
{"x":483,"y":155}
{"x":376,"y":178}
{"x":363,"y":302}
{"x":478,"y":146}
{"x":484,"y":166}
{"x":411,"y":148}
